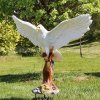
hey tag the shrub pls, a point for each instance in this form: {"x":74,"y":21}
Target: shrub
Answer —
{"x":8,"y":38}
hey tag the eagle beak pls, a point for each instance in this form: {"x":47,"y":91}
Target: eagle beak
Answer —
{"x":37,"y":29}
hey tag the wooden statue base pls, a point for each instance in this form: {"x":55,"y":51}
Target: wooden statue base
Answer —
{"x":48,"y":87}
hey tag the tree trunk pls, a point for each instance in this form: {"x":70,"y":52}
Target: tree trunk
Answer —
{"x":47,"y":72}
{"x":80,"y":49}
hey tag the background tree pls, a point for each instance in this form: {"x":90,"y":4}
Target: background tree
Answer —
{"x":49,"y":13}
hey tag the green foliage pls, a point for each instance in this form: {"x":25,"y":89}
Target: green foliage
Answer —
{"x":50,"y":13}
{"x":96,"y":26}
{"x":26,"y":48}
{"x":8,"y":37}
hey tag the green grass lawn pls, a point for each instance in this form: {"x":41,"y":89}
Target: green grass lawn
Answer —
{"x":77,"y":78}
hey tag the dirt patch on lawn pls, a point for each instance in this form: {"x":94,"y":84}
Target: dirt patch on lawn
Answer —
{"x":81,"y":78}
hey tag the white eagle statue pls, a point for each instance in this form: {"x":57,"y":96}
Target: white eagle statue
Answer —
{"x":58,"y":37}
{"x":51,"y":41}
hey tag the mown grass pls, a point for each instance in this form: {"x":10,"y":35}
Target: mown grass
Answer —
{"x":77,"y":78}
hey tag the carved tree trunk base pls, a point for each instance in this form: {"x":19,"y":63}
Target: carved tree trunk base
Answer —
{"x":49,"y":89}
{"x":48,"y":86}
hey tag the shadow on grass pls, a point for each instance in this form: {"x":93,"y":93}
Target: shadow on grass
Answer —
{"x":77,"y":43}
{"x":42,"y":98}
{"x":14,"y":98}
{"x":96,"y":74}
{"x":38,"y":98}
{"x":11,"y":78}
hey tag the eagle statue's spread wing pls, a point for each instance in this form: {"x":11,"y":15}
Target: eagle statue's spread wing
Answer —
{"x":69,"y":30}
{"x":61,"y":35}
{"x":29,"y":31}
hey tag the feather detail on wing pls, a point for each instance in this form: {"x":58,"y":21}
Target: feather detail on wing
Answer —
{"x":27,"y":30}
{"x":69,"y":30}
